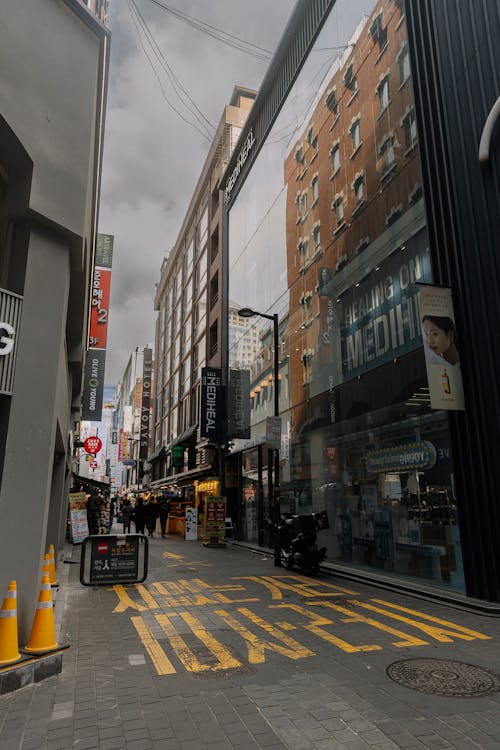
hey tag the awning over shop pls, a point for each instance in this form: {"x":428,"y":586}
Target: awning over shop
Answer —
{"x":156,"y":455}
{"x":185,"y":436}
{"x":91,"y":483}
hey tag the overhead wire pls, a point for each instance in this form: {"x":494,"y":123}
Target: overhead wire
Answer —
{"x":176,"y":83}
{"x":216,"y":33}
{"x":196,"y":126}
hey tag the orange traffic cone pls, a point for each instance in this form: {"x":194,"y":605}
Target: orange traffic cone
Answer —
{"x":46,"y":566}
{"x":52,"y":565}
{"x":9,"y":649}
{"x":43,"y":633}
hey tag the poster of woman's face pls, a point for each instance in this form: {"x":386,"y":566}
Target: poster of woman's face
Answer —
{"x":440,"y":338}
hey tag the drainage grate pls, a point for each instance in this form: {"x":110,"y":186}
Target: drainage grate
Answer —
{"x":442,"y":677}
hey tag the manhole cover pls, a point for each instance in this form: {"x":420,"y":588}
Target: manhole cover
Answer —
{"x":443,"y":677}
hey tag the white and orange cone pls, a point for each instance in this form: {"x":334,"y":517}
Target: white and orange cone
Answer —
{"x":52,"y":565}
{"x":43,"y":633}
{"x":9,"y":647}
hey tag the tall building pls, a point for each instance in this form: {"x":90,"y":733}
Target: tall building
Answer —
{"x":188,"y":328}
{"x":54,"y":68}
{"x":131,"y":421}
{"x":364,"y":217}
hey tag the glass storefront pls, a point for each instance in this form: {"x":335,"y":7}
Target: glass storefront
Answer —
{"x":329,"y":232}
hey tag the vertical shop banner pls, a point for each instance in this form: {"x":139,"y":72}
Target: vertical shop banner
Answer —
{"x":239,"y":404}
{"x":78,"y":517}
{"x":191,"y":528}
{"x":145,"y":403}
{"x":215,"y":525}
{"x":212,"y":404}
{"x":93,"y":387}
{"x":441,"y":348}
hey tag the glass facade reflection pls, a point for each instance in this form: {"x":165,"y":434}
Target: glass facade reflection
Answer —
{"x":329,"y":232}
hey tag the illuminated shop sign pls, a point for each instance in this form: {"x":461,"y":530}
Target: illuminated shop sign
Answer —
{"x":402,"y":458}
{"x":212,"y":403}
{"x":379,"y":316}
{"x":145,"y":403}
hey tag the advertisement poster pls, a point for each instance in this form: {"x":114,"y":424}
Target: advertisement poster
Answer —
{"x":191,"y":533}
{"x":441,"y":347}
{"x":78,"y":517}
{"x":216,"y":517}
{"x":114,"y":559}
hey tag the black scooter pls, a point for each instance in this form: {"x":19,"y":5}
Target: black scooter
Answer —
{"x":297,"y":541}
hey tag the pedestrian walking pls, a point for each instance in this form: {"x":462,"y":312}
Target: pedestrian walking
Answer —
{"x":151,"y":511}
{"x":126,"y":511}
{"x":139,"y":516}
{"x":163,"y":510}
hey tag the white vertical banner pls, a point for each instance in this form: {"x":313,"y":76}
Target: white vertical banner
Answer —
{"x":441,"y":347}
{"x":191,"y":532}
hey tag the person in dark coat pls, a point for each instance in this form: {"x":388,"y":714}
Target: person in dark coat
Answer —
{"x":126,"y":511}
{"x":151,"y":510}
{"x":163,"y":510}
{"x":139,"y":516}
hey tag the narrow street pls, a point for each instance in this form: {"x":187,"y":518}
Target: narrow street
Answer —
{"x":220,"y":649}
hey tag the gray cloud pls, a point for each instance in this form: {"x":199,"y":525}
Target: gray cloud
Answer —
{"x":152,"y":159}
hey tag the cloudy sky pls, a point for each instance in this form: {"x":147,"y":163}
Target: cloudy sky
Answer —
{"x":152,"y":156}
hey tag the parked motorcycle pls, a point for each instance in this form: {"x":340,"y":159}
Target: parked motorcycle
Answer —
{"x":297,"y":541}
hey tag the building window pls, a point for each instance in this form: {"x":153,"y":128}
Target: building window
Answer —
{"x":303,"y":206}
{"x":409,"y":125}
{"x":351,"y":83}
{"x":358,"y":187}
{"x":356,"y":135}
{"x":379,"y":33}
{"x":214,"y":290}
{"x":314,"y":144}
{"x":388,"y":159}
{"x":338,"y":209}
{"x":332,"y":103}
{"x":307,"y":307}
{"x":213,"y":341}
{"x":316,"y":233}
{"x":303,"y":248}
{"x":383,"y":94}
{"x":315,"y":189}
{"x":307,"y":356}
{"x":404,"y":64}
{"x":335,"y":155}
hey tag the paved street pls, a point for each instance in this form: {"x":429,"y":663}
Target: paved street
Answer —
{"x":219,"y":649}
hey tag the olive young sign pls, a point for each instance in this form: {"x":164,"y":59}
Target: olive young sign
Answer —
{"x":380,"y":317}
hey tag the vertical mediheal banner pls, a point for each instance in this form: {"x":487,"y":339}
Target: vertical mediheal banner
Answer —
{"x":93,"y":386}
{"x":212,"y":404}
{"x":441,"y":347}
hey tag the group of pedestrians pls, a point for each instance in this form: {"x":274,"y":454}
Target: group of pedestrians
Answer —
{"x":144,"y":515}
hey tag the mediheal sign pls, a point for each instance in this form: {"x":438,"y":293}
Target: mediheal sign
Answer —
{"x":212,"y":404}
{"x":380,"y":317}
{"x":10,"y":317}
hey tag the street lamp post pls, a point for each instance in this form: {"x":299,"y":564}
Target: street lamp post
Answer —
{"x":247,"y":312}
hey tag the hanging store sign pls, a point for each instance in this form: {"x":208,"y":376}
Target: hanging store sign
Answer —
{"x":93,"y":388}
{"x":239,"y":404}
{"x":10,"y":318}
{"x":212,"y":404}
{"x":242,"y":157}
{"x":145,"y":403}
{"x":92,"y":444}
{"x":380,"y":316}
{"x":402,"y":458}
{"x":442,"y":356}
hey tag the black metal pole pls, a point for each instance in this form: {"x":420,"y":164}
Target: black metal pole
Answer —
{"x":277,"y":501}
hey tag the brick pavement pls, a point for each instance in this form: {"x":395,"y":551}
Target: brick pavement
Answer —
{"x":109,"y":695}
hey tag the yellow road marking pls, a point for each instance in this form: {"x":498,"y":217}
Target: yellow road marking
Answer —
{"x":223,"y":656}
{"x":305,"y":587}
{"x":407,"y":640}
{"x":256,"y":647}
{"x":124,"y":600}
{"x":162,"y":663}
{"x":318,"y":621}
{"x":152,"y":604}
{"x":439,"y":634}
{"x":180,"y":647}
{"x":172,"y":556}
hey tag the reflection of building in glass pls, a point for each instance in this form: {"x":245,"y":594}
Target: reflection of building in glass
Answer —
{"x":338,"y":177}
{"x":244,"y":342}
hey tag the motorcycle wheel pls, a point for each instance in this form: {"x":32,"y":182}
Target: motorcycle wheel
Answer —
{"x":286,"y":560}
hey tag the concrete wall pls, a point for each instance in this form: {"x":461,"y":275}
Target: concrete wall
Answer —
{"x":51,"y":92}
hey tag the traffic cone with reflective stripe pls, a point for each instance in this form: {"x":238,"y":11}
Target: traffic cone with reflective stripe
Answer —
{"x":52,"y":565}
{"x":43,"y":633}
{"x":9,"y":648}
{"x":46,"y":566}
